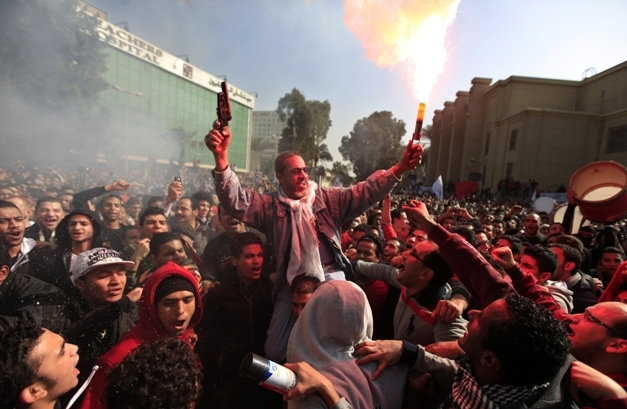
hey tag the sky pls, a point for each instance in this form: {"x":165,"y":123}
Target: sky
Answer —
{"x":269,"y":47}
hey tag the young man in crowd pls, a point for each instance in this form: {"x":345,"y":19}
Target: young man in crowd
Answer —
{"x":393,"y":247}
{"x":170,"y":306}
{"x":151,"y":222}
{"x":583,"y":289}
{"x":542,"y":264}
{"x":511,"y":242}
{"x":187,"y":209}
{"x":217,"y":255}
{"x":422,"y":278}
{"x":26,"y":255}
{"x":26,"y":206}
{"x":110,"y":208}
{"x":236,"y":317}
{"x":38,"y":367}
{"x":164,"y":247}
{"x":99,"y":312}
{"x":611,"y":258}
{"x":48,"y":214}
{"x":78,"y":232}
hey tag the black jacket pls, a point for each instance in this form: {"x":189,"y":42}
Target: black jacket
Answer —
{"x":96,"y":330}
{"x":26,"y":297}
{"x":234,"y":323}
{"x":583,"y":294}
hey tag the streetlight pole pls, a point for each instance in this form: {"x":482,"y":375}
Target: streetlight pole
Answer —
{"x":137,"y":94}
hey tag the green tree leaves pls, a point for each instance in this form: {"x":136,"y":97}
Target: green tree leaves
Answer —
{"x":306,"y":126}
{"x":374,"y":143}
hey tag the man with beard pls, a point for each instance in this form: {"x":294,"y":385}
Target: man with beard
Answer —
{"x":187,"y":210}
{"x":531,"y":232}
{"x":48,"y":214}
{"x":112,"y":230}
{"x":301,"y":220}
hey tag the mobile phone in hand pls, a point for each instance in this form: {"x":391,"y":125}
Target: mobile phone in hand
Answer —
{"x":177,"y":179}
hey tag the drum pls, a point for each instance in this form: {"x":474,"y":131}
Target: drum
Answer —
{"x":601,"y":189}
{"x":544,"y":204}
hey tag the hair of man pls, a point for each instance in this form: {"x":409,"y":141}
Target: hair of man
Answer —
{"x":515,"y":242}
{"x":545,"y":259}
{"x":150,"y":211}
{"x":19,"y":370}
{"x":378,"y":247}
{"x":442,"y":272}
{"x":159,"y":374}
{"x":160,"y":239}
{"x":242,"y":240}
{"x":192,"y":202}
{"x":571,"y":254}
{"x":279,"y":162}
{"x":5,"y":204}
{"x":304,"y":284}
{"x":530,"y":343}
{"x":46,"y":199}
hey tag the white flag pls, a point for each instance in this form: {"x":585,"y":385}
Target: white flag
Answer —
{"x":438,"y":187}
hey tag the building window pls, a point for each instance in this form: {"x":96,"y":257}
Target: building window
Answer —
{"x":487,"y":144}
{"x":508,"y":171}
{"x":617,"y":140}
{"x":512,"y":140}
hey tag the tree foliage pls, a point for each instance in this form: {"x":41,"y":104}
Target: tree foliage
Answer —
{"x":342,"y":172}
{"x":51,"y":66}
{"x":307,"y":124}
{"x":374,"y":143}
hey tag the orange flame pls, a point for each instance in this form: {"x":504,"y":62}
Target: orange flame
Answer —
{"x":411,"y":31}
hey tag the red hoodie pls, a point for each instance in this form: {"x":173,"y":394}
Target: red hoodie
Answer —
{"x":149,"y":328}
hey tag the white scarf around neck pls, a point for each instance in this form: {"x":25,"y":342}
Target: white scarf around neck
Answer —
{"x":304,"y":255}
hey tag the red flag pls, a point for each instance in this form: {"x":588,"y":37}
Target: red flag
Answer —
{"x":465,"y":188}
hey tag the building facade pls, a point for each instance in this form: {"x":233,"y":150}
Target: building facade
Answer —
{"x":161,"y":106}
{"x":530,"y":129}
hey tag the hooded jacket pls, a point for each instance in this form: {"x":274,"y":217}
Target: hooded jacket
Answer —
{"x":60,"y":273}
{"x":149,"y":328}
{"x":336,"y":318}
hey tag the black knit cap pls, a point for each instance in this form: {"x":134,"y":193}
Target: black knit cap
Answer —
{"x":171,"y":285}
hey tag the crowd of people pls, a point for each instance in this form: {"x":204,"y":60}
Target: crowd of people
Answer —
{"x":149,"y":293}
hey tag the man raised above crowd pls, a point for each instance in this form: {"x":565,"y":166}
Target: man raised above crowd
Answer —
{"x":301,"y":219}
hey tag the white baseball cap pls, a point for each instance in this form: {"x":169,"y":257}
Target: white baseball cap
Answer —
{"x":94,"y":258}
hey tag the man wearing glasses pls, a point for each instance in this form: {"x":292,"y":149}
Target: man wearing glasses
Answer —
{"x":422,"y":279}
{"x":302,"y":220}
